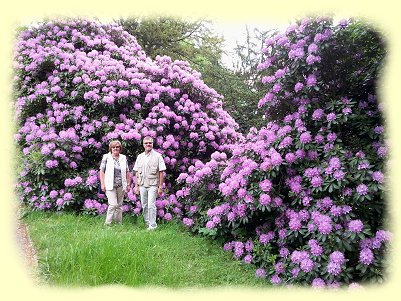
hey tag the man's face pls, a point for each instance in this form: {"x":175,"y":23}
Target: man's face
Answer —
{"x":148,"y":145}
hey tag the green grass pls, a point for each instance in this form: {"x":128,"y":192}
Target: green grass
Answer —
{"x":75,"y":250}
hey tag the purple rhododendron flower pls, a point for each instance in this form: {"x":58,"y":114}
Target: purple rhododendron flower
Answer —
{"x":284,"y":252}
{"x":53,"y":194}
{"x":276,"y":88}
{"x":290,"y":158}
{"x":354,"y":285}
{"x":382,"y":151}
{"x":249,"y":246}
{"x":316,"y":250}
{"x":311,"y":80}
{"x":210,"y":225}
{"x":295,"y":224}
{"x":187,"y":221}
{"x":337,"y":257}
{"x":265,"y":199}
{"x":338,"y":175}
{"x":265,"y":238}
{"x":331,"y":137}
{"x":265,"y":185}
{"x":67,"y":196}
{"x":316,"y":181}
{"x":362,"y":189}
{"x":379,"y":129}
{"x":366,"y":256}
{"x":305,"y":138}
{"x":275,"y":279}
{"x":335,"y":163}
{"x":248,"y":259}
{"x":333,"y":268}
{"x":318,"y":283}
{"x":307,"y":265}
{"x":378,"y":177}
{"x":228,"y":246}
{"x":312,"y":48}
{"x":311,"y":59}
{"x":331,"y":117}
{"x":287,"y":141}
{"x":60,"y":202}
{"x":325,"y":227}
{"x":317,"y":114}
{"x":298,"y":256}
{"x":295,"y":271}
{"x":260,"y":273}
{"x":383,"y":235}
{"x":355,"y":226}
{"x":298,"y":87}
{"x":279,"y":268}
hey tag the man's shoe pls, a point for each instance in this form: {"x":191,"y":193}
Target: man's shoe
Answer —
{"x":151,"y":228}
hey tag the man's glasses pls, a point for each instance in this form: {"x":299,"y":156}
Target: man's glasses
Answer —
{"x":148,"y":143}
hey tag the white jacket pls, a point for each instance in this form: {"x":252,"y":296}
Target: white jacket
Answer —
{"x":109,"y":173}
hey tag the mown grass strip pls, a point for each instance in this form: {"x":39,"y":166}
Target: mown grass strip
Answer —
{"x":76,"y":250}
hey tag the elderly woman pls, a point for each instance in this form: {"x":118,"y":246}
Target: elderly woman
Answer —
{"x":114,"y":180}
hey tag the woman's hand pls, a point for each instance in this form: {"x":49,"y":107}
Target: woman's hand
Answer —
{"x":136,"y":189}
{"x":103,"y":187}
{"x":128,"y":188}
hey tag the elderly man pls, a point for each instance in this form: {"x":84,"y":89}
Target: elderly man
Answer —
{"x":149,"y":178}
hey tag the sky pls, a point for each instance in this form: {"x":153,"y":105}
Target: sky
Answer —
{"x":234,"y":32}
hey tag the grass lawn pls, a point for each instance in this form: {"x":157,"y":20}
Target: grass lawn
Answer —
{"x":79,"y":251}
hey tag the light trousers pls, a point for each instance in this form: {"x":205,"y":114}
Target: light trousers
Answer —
{"x":148,"y":202}
{"x":115,"y":200}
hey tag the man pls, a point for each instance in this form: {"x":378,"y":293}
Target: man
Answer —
{"x":149,"y":179}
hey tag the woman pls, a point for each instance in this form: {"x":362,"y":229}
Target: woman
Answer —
{"x":114,"y":180}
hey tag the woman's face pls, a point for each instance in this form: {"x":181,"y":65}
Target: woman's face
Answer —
{"x":115,"y":149}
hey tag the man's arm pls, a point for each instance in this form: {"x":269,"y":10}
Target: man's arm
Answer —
{"x":161,"y":181}
{"x":162,"y":168}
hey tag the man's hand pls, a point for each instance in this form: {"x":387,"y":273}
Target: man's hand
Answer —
{"x":136,"y":189}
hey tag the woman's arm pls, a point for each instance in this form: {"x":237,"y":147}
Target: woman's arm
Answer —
{"x":101,"y":176}
{"x":101,"y":173}
{"x":136,"y":189}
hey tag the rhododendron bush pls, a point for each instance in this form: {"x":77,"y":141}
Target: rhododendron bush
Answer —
{"x":80,"y":84}
{"x":303,"y":197}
